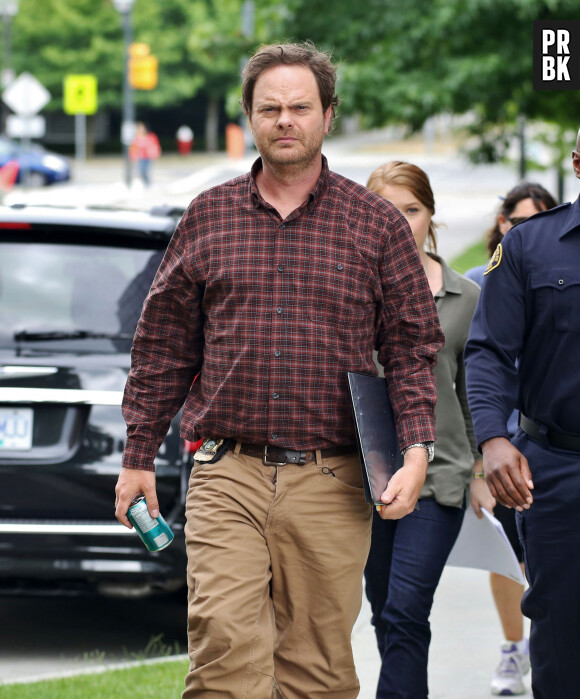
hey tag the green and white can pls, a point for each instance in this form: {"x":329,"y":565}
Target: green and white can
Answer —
{"x":155,"y":533}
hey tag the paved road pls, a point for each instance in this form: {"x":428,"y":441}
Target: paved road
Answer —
{"x":42,"y":637}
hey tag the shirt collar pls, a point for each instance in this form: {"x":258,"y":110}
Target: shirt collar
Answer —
{"x":451,"y":283}
{"x":313,"y":198}
{"x":573,"y":220}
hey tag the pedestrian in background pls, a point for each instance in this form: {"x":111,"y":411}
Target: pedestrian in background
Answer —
{"x":407,"y":556}
{"x":521,"y":202}
{"x":143,"y":149}
{"x":523,"y":352}
{"x":274,"y":285}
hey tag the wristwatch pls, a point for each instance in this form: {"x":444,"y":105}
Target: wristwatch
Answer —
{"x":428,"y":446}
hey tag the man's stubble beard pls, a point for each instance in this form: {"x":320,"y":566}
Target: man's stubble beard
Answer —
{"x":295,"y":161}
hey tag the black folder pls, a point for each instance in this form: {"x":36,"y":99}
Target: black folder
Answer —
{"x":375,"y":431}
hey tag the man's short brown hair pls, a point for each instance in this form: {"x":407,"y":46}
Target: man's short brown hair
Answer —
{"x":302,"y":54}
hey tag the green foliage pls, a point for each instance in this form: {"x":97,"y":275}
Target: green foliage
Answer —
{"x":474,"y":256}
{"x":405,"y":62}
{"x":398,"y":62}
{"x":199,"y":45}
{"x":56,"y":37}
{"x":157,"y":681}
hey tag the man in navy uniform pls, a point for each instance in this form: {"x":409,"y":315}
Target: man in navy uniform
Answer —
{"x":529,"y":310}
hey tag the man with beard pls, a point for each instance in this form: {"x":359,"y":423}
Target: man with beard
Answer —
{"x":274,"y":285}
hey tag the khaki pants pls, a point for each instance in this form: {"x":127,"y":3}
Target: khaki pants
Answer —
{"x":275,"y":562}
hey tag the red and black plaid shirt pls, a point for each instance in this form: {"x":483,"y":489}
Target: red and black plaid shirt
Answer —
{"x":272,"y":313}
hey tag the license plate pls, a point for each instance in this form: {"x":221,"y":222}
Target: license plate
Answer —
{"x":16,"y":429}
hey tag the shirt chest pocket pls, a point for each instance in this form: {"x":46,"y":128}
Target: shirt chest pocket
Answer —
{"x":557,"y":293}
{"x":339,"y":294}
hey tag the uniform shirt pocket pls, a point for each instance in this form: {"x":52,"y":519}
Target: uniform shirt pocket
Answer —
{"x":557,"y":293}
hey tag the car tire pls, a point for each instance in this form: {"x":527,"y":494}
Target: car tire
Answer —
{"x":35,"y":179}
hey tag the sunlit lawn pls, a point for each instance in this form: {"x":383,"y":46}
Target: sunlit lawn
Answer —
{"x":472,"y":257}
{"x":158,"y":681}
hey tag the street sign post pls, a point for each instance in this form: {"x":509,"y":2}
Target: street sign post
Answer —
{"x":80,"y":99}
{"x":80,"y":94}
{"x":25,"y":127}
{"x":26,"y":96}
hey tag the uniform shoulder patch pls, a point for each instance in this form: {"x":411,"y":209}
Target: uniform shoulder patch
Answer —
{"x":495,"y":260}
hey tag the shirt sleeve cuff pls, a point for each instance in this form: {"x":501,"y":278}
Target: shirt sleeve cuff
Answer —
{"x":139,"y":455}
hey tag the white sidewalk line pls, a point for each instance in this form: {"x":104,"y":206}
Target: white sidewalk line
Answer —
{"x":96,"y":670}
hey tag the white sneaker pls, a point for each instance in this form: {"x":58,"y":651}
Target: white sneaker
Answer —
{"x":514,"y":664}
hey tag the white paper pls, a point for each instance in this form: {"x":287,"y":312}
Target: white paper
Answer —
{"x":482,"y":543}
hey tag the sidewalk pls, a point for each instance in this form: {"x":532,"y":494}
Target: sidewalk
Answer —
{"x":465,"y":640}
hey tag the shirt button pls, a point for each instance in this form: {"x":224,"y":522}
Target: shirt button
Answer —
{"x":339,"y":267}
{"x":280,"y":268}
{"x":275,"y":395}
{"x":560,"y":282}
{"x":274,"y":435}
{"x":278,"y":310}
{"x":282,"y":226}
{"x":277,"y":353}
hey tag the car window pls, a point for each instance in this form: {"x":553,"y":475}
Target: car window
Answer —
{"x":46,"y":287}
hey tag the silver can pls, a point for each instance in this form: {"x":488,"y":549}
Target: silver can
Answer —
{"x":155,"y":533}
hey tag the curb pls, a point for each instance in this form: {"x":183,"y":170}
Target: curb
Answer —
{"x":96,"y":670}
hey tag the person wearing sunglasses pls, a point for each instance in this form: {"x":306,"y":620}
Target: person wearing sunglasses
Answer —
{"x":521,"y":202}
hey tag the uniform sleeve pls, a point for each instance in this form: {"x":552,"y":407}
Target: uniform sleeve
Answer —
{"x":461,"y":391}
{"x":166,"y":355}
{"x":495,"y":341}
{"x":410,"y":338}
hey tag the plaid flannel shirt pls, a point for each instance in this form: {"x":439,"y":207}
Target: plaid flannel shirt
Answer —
{"x":272,"y":313}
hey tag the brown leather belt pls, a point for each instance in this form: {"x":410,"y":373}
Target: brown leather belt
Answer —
{"x":280,"y":456}
{"x":560,"y":440}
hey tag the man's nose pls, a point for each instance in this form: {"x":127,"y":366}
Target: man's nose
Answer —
{"x":285,"y":119}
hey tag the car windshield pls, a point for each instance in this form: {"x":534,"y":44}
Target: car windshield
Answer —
{"x":63,"y":289}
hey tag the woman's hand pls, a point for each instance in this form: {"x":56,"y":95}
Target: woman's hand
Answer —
{"x":479,"y":493}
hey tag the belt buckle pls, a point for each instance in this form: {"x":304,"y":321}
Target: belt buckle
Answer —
{"x":271,"y":463}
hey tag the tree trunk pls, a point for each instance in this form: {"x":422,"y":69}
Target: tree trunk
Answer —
{"x":211,"y":124}
{"x":523,"y":165}
{"x":560,"y":181}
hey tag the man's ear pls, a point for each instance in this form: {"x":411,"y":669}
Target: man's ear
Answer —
{"x":576,"y":162}
{"x":327,"y":119}
{"x":503,"y":224}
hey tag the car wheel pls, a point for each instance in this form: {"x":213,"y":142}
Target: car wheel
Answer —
{"x":35,"y":179}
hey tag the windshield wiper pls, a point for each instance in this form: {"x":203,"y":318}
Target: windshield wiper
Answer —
{"x":25,"y":336}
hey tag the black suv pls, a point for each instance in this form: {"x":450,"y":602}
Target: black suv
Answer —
{"x":72,"y":283}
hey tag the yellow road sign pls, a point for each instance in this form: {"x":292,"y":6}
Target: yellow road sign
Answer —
{"x":143,"y":67}
{"x":80,"y":94}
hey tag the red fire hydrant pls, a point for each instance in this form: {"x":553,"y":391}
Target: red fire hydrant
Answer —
{"x":184,"y":140}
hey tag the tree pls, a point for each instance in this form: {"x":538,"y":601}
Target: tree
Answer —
{"x":199,"y":45}
{"x":54,"y":38}
{"x":404,"y":63}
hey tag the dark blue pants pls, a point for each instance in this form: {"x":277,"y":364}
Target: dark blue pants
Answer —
{"x":405,"y":563}
{"x":550,"y":536}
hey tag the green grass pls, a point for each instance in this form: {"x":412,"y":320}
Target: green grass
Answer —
{"x":472,"y":257}
{"x":158,"y":681}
